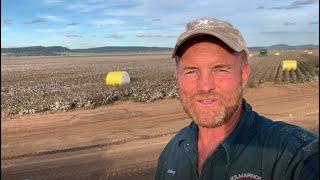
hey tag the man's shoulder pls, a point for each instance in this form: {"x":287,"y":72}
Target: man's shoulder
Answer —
{"x":279,"y":129}
{"x":173,"y":144}
{"x":173,"y":159}
{"x":287,"y":149}
{"x":180,"y":135}
{"x":285,"y":137}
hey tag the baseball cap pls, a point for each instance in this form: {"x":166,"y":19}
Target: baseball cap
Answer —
{"x":217,"y":28}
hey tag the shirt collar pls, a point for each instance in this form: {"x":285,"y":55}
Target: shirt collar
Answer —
{"x":235,"y":142}
{"x":237,"y":139}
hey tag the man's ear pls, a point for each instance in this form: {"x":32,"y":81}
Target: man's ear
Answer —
{"x":245,"y":74}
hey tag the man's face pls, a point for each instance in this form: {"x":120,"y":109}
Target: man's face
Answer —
{"x":211,"y":82}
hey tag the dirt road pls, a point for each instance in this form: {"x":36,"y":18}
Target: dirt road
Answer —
{"x":123,"y":141}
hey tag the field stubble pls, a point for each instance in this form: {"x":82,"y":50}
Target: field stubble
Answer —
{"x":36,"y":84}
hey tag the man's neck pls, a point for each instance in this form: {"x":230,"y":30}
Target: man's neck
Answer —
{"x":218,"y":134}
{"x":210,"y":138}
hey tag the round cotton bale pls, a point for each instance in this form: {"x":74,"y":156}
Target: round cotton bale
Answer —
{"x":250,"y":55}
{"x":305,"y":51}
{"x":289,"y":65}
{"x":117,"y":78}
{"x":310,"y":52}
{"x":277,"y":54}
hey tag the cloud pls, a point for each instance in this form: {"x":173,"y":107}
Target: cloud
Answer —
{"x":61,"y":30}
{"x":296,"y":4}
{"x":303,"y":2}
{"x":274,"y":32}
{"x":81,"y":7}
{"x":154,"y":36}
{"x":288,"y":32}
{"x":51,"y":1}
{"x":73,"y":36}
{"x":114,"y":36}
{"x":289,"y":23}
{"x":172,"y":12}
{"x":39,"y":20}
{"x":7,"y":21}
{"x":156,"y":33}
{"x":53,"y":18}
{"x":106,"y":22}
{"x":146,"y":9}
{"x":155,"y":20}
{"x":72,"y":24}
{"x":152,"y":20}
{"x":160,"y":22}
{"x":47,"y":18}
{"x":95,"y":1}
{"x":88,"y":6}
{"x":48,"y":30}
{"x":314,"y":22}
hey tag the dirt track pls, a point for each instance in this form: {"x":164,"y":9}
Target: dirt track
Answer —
{"x":123,"y":141}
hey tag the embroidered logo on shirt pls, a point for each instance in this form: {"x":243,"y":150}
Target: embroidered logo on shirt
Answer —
{"x":245,"y":176}
{"x":170,"y":171}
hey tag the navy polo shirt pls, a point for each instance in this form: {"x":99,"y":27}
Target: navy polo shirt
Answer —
{"x":258,"y":148}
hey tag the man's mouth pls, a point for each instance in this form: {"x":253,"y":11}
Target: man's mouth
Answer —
{"x":206,"y":101}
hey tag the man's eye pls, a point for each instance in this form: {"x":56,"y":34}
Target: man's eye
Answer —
{"x":221,"y":70}
{"x":190,"y":72}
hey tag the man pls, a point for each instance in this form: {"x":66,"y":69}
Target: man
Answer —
{"x":227,"y":139}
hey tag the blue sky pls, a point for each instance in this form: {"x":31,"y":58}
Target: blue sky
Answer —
{"x":96,"y":23}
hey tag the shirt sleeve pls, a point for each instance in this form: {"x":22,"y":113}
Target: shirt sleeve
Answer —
{"x":308,"y":166}
{"x":159,"y":171}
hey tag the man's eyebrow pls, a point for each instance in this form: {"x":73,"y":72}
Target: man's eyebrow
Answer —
{"x":189,"y":67}
{"x":222,"y":66}
{"x":215,"y":66}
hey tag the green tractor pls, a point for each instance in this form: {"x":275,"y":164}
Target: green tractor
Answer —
{"x":263,"y":52}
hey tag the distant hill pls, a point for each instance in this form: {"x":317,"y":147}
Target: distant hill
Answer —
{"x":284,"y":47}
{"x":57,"y":50}
{"x":35,"y":49}
{"x":109,"y":49}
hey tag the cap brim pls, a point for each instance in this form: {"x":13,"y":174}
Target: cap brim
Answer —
{"x":228,"y":41}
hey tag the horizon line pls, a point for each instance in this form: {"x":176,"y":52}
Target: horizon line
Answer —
{"x":147,"y":46}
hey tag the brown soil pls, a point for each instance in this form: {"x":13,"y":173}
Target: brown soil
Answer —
{"x":123,"y":141}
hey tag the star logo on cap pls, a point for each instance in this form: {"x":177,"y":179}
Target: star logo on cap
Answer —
{"x":203,"y":22}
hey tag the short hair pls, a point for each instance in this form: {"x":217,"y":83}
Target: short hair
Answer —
{"x":208,"y":38}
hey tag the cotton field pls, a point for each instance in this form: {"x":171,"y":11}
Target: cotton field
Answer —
{"x":37,"y":84}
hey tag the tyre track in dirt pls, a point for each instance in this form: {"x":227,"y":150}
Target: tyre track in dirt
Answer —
{"x":120,"y":162}
{"x":59,"y":163}
{"x":72,"y":149}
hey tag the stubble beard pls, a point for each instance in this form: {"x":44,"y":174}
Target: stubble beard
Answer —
{"x":227,"y":105}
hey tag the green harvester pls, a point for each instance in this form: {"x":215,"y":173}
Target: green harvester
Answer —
{"x":263,"y":52}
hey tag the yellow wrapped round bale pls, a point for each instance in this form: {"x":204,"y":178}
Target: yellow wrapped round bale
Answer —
{"x":117,"y":78}
{"x":289,"y":65}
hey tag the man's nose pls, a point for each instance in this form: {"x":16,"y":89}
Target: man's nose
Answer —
{"x":206,"y":82}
